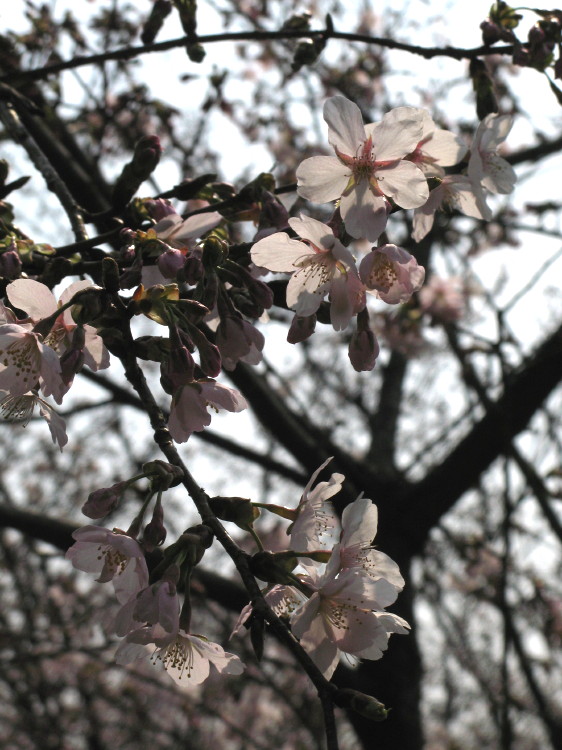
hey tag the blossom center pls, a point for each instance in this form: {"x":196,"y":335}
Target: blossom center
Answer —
{"x":383,"y":274}
{"x":177,"y":655}
{"x":116,"y":561}
{"x":23,"y":355}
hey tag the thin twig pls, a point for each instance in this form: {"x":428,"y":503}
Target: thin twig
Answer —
{"x":19,"y":133}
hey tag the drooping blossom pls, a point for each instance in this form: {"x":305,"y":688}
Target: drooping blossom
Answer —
{"x":187,"y":658}
{"x":180,"y":233}
{"x":20,"y":409}
{"x":320,"y":265}
{"x":188,"y":412}
{"x":26,"y":362}
{"x":437,"y":148}
{"x":392,"y":273}
{"x":369,"y":167}
{"x":111,"y":556}
{"x":455,"y":192}
{"x":345,"y":613}
{"x":155,"y":609}
{"x":238,"y":341}
{"x":485,"y":166}
{"x":39,"y":302}
{"x":315,"y":516}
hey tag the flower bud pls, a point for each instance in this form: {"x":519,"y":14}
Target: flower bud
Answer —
{"x":301,"y":328}
{"x":103,"y":501}
{"x":238,"y":510}
{"x":363,"y":704}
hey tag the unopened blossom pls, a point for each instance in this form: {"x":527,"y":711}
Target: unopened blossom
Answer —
{"x":392,"y":273}
{"x":186,"y":658}
{"x":345,"y":614}
{"x":456,"y":192}
{"x":39,"y":302}
{"x":111,"y":556}
{"x":188,"y":412}
{"x":102,"y":501}
{"x":369,"y":167}
{"x":486,"y":167}
{"x":320,"y":265}
{"x":26,"y":362}
{"x":20,"y":409}
{"x":315,"y":516}
{"x":363,"y":347}
{"x":437,"y":148}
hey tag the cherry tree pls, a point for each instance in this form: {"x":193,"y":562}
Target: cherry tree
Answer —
{"x":302,"y":442}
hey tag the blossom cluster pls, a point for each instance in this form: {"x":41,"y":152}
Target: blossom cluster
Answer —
{"x":377,"y":167}
{"x":42,"y":352}
{"x":334,"y":595}
{"x":336,"y":604}
{"x":149,"y":614}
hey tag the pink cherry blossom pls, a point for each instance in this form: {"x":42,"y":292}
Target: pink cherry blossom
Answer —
{"x":486,"y":166}
{"x":437,"y":148}
{"x":392,"y":273}
{"x":112,"y":556}
{"x":26,"y":362}
{"x":345,"y":614}
{"x":355,"y":549}
{"x":39,"y":303}
{"x":20,"y":409}
{"x":186,"y":658}
{"x":368,"y":168}
{"x":180,"y":233}
{"x":188,"y":413}
{"x":237,"y":341}
{"x":320,"y":265}
{"x":315,"y":516}
{"x":455,"y":192}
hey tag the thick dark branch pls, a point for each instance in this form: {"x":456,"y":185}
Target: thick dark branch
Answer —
{"x":426,"y":502}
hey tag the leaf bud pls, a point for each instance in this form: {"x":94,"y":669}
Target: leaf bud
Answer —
{"x":238,"y":510}
{"x":365,"y":705}
{"x":273,"y":567}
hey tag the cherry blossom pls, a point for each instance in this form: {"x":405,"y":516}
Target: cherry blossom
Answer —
{"x":20,"y":409}
{"x":437,"y":148}
{"x":112,"y":556}
{"x":314,"y":515}
{"x":355,"y":549}
{"x":486,"y":166}
{"x":320,"y":265}
{"x":238,"y":340}
{"x":368,"y":168}
{"x":345,"y":613}
{"x":392,"y":273}
{"x":188,"y":413}
{"x":455,"y":192}
{"x":26,"y":362}
{"x":187,"y":658}
{"x":39,"y":302}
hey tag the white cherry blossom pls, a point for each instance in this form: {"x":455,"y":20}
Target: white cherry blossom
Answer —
{"x":455,"y":192}
{"x":320,"y":265}
{"x":486,"y":167}
{"x":368,"y":168}
{"x":112,"y":556}
{"x":315,"y":515}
